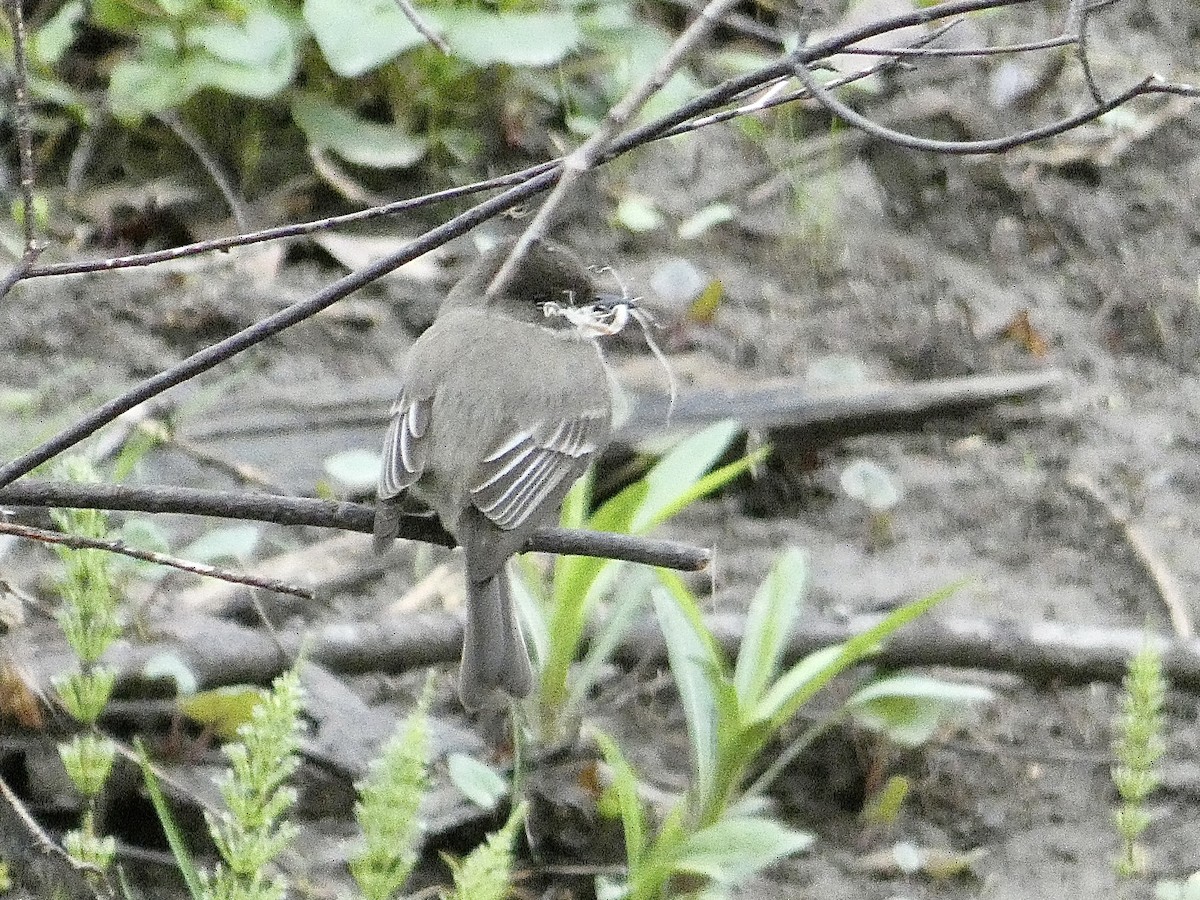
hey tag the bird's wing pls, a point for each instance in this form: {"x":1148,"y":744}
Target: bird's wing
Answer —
{"x":404,"y":451}
{"x":526,"y":468}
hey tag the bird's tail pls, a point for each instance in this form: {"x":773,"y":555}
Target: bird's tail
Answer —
{"x":387,"y":525}
{"x":494,"y":655}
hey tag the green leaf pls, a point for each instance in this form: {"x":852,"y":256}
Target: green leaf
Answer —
{"x":358,"y":37}
{"x":175,"y":838}
{"x":909,"y":709}
{"x":736,"y":848}
{"x":706,"y":219}
{"x":638,"y":214}
{"x":230,"y":542}
{"x":803,"y":680}
{"x":354,"y":470}
{"x":693,"y":664}
{"x":353,"y":139}
{"x":624,"y":789}
{"x":224,"y":709}
{"x":479,"y":783}
{"x":628,"y":604}
{"x":262,"y":40}
{"x":138,"y":87}
{"x":531,"y":40}
{"x":673,"y":480}
{"x":51,"y":41}
{"x":769,"y":623}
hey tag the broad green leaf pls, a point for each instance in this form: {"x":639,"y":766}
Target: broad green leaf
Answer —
{"x":624,"y":789}
{"x":675,"y":476}
{"x":358,"y":37}
{"x":138,"y":87}
{"x":909,"y":709}
{"x":262,"y":40}
{"x":354,"y":470}
{"x":530,"y":40}
{"x":692,"y":664}
{"x":802,"y":681}
{"x":51,"y":41}
{"x":734,"y":849}
{"x":353,"y":139}
{"x":223,"y":709}
{"x":479,"y":783}
{"x":769,"y":623}
{"x":230,"y":542}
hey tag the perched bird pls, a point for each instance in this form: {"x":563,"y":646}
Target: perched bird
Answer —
{"x":504,"y":402}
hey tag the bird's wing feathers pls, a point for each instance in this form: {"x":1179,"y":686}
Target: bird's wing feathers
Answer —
{"x":524,"y":470}
{"x":404,"y":451}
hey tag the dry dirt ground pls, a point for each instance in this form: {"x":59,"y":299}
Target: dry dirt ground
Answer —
{"x":912,"y":269}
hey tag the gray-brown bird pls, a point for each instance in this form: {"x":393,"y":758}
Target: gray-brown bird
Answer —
{"x":501,"y":409}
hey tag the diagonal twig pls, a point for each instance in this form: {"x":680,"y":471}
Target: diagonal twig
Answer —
{"x":78,"y":542}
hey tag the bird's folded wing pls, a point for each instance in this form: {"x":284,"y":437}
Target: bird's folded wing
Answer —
{"x":526,"y":468}
{"x":404,"y":452}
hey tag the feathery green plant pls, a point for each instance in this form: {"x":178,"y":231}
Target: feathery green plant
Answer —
{"x":487,"y":870}
{"x":1137,"y":746}
{"x":88,"y":617}
{"x":253,"y":830}
{"x":388,"y":805}
{"x":717,"y":834}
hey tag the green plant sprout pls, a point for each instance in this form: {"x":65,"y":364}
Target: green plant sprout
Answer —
{"x":254,"y":829}
{"x":486,"y":872}
{"x":878,"y":490}
{"x":1137,"y":746}
{"x":388,"y":806}
{"x":88,"y":617}
{"x":558,"y":627}
{"x":717,"y":832}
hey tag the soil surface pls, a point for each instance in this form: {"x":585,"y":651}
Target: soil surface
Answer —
{"x":1079,"y":254}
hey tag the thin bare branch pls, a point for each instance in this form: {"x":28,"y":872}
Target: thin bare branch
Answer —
{"x":217,"y":353}
{"x":19,"y":270}
{"x":422,"y":26}
{"x":211,"y":165}
{"x":1077,"y":22}
{"x":587,"y":154}
{"x":77,"y":542}
{"x":962,"y":148}
{"x":345,"y":516}
{"x":16,"y":18}
{"x":903,"y":52}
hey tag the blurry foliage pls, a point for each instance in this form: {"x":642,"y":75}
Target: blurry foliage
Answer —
{"x":266,"y":84}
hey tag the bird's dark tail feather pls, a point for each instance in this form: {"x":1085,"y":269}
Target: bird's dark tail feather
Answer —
{"x":494,"y":655}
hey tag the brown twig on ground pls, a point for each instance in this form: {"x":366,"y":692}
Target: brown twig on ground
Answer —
{"x":1153,"y":565}
{"x":1040,"y":652}
{"x":221,"y":652}
{"x":35,"y":861}
{"x":76,"y":542}
{"x":838,"y":414}
{"x":334,"y":514}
